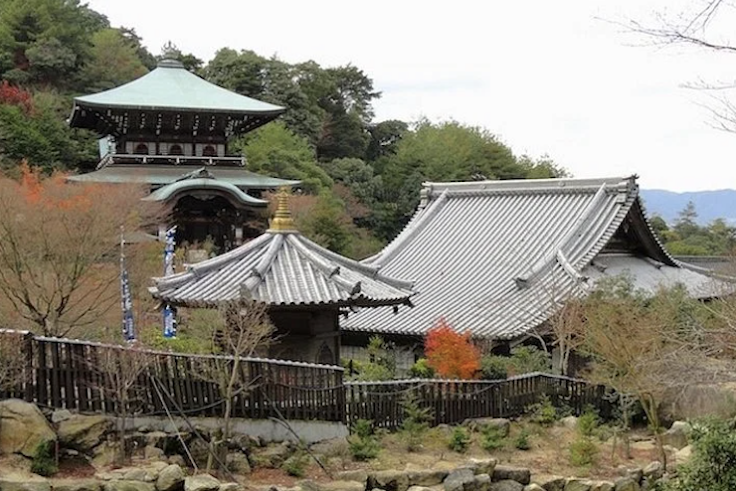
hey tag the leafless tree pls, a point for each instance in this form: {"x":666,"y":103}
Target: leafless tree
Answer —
{"x":245,"y":330}
{"x":12,"y":360}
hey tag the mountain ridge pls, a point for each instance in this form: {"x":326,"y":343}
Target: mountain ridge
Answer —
{"x":710,"y":205}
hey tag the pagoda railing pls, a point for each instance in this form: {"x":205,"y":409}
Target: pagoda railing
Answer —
{"x":124,"y":158}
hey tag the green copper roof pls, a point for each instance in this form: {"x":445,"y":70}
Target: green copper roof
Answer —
{"x":166,"y":174}
{"x":172,"y":87}
{"x":206,"y":184}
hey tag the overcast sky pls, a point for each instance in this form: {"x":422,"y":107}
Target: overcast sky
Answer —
{"x":560,"y":78}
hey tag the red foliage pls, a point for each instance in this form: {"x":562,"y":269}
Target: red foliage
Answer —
{"x":15,"y":96}
{"x":451,"y":354}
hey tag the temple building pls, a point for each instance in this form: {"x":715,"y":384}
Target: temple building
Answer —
{"x":306,"y":287}
{"x":170,"y":130}
{"x":498,"y":258}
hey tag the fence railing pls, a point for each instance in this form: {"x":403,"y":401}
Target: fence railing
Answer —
{"x":91,"y":377}
{"x":453,"y":401}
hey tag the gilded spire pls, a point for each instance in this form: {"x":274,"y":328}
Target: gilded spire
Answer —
{"x":282,"y":220}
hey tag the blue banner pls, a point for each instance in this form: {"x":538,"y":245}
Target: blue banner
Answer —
{"x":169,"y":311}
{"x":126,"y":300}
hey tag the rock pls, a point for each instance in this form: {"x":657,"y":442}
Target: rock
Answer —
{"x":201,"y":482}
{"x":482,"y":482}
{"x":137,"y":474}
{"x":118,"y":485}
{"x":683,"y":455}
{"x":533,"y":487}
{"x":575,"y":484}
{"x":419,"y":488}
{"x":334,"y":486}
{"x":653,"y":471}
{"x":156,"y":438}
{"x":230,"y":486}
{"x":459,"y":479}
{"x":237,"y":463}
{"x":550,"y":483}
{"x":358,"y":475}
{"x":23,"y":428}
{"x":83,"y":433}
{"x":171,"y":478}
{"x":24,"y":485}
{"x":177,"y":460}
{"x":677,"y":435}
{"x":519,"y":474}
{"x":426,"y":477}
{"x":476,"y":424}
{"x":570,"y":422}
{"x":152,"y":453}
{"x":484,"y":466}
{"x":331,"y":447}
{"x":602,"y":486}
{"x":200,"y":451}
{"x":626,"y":484}
{"x":270,"y":457}
{"x":507,"y":485}
{"x":635,"y":473}
{"x":390,"y":480}
{"x":77,"y":485}
{"x":60,"y":415}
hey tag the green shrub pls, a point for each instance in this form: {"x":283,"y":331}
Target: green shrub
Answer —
{"x":712,"y":466}
{"x":543,"y":413}
{"x":492,"y":438}
{"x":494,"y":367}
{"x":459,"y":440}
{"x":583,"y":452}
{"x":416,"y":421}
{"x":420,"y":369}
{"x":522,"y":440}
{"x":528,"y":359}
{"x":587,"y":423}
{"x":44,"y":462}
{"x":363,"y":443}
{"x":296,"y":465}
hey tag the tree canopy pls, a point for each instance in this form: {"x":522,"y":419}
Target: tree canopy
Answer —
{"x":687,"y":238}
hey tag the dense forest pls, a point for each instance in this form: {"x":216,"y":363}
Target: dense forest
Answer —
{"x":361,"y":177}
{"x":685,"y":237}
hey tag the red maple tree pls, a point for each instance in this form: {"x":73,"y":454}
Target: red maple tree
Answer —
{"x":15,"y":96}
{"x":451,"y":354}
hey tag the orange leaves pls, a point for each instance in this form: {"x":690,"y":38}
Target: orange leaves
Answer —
{"x":451,"y":354}
{"x":15,"y":96}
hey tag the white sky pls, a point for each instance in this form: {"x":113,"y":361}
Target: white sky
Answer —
{"x":547,"y":77}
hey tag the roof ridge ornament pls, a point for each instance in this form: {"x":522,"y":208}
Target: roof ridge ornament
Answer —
{"x":282,"y":220}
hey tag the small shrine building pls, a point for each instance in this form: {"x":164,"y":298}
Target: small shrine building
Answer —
{"x":170,"y":130}
{"x":306,"y":287}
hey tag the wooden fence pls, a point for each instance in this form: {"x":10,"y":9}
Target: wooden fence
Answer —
{"x":453,"y":401}
{"x":90,"y":377}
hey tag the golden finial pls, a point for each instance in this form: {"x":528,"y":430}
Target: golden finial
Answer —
{"x":282,"y":220}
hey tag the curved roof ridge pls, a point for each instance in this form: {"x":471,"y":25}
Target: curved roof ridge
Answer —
{"x":525,"y":185}
{"x":256,"y":274}
{"x":188,"y":184}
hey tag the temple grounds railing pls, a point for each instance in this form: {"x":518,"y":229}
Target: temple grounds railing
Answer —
{"x":91,"y":377}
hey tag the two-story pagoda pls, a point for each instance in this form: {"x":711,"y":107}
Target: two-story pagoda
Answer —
{"x":170,"y":129}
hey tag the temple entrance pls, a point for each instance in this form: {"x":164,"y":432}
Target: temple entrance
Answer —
{"x":201,"y":221}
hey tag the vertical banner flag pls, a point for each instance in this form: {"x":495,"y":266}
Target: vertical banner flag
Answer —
{"x":126,"y":301}
{"x":169,"y":312}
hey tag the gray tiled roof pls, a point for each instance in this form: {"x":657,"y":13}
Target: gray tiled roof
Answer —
{"x":282,"y":269}
{"x":497,"y":258}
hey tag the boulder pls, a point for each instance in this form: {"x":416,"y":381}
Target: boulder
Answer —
{"x":153,"y":453}
{"x":419,"y":488}
{"x":331,"y":447}
{"x":358,"y":475}
{"x":484,"y":466}
{"x":683,"y":455}
{"x":237,"y":463}
{"x":575,"y":484}
{"x":23,"y":428}
{"x":105,"y":454}
{"x":602,"y":486}
{"x":653,"y":471}
{"x":626,"y":484}
{"x":24,"y":485}
{"x":521,"y":475}
{"x":550,"y":483}
{"x":230,"y":486}
{"x":507,"y":485}
{"x":426,"y":477}
{"x":459,"y":479}
{"x":177,"y":460}
{"x":60,"y":415}
{"x":138,"y":474}
{"x":333,"y":486}
{"x":83,"y":433}
{"x":77,"y":485}
{"x":482,"y":482}
{"x":533,"y":487}
{"x":570,"y":422}
{"x":171,"y":478}
{"x":677,"y":435}
{"x":119,"y":485}
{"x":477,"y":424}
{"x":391,"y":480}
{"x":270,"y":457}
{"x":201,"y":482}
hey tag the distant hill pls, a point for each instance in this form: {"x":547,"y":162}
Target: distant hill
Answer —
{"x":709,"y":204}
